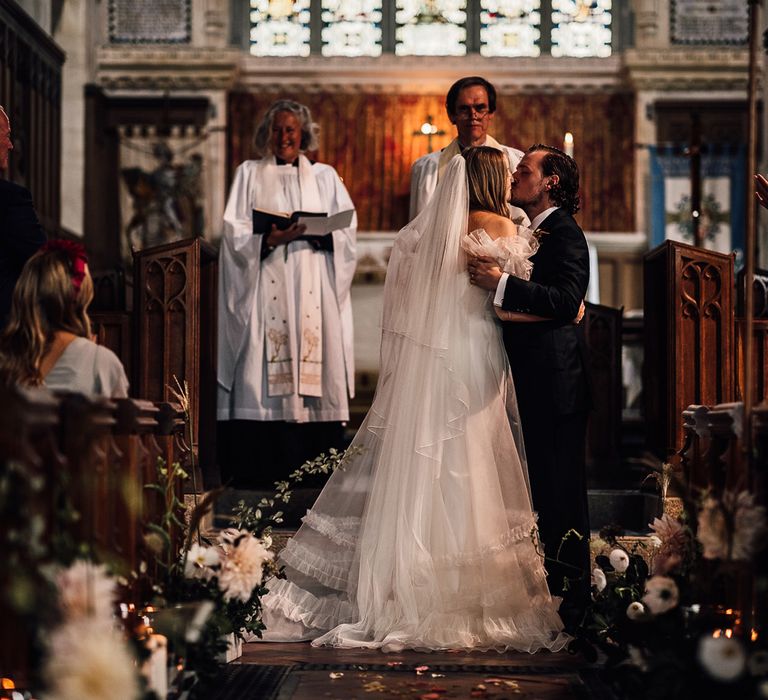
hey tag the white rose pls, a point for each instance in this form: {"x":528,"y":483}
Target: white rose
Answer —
{"x":619,"y":560}
{"x":635,"y":610}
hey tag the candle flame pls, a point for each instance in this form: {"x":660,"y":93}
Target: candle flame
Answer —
{"x":729,"y":633}
{"x":716,"y":634}
{"x":753,"y":636}
{"x":7,"y":684}
{"x":568,"y":138}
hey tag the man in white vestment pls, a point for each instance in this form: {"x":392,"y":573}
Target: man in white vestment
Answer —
{"x":471,"y":104}
{"x":285,"y":355}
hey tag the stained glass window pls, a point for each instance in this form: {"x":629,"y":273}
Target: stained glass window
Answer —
{"x":431,"y":28}
{"x":280,"y":27}
{"x":351,"y":27}
{"x":581,"y":28}
{"x":510,"y":27}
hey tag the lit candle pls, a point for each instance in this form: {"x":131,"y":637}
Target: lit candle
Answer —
{"x":568,"y":144}
{"x":155,"y":668}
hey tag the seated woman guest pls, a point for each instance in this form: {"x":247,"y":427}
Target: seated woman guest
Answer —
{"x":48,"y":337}
{"x":285,"y":359}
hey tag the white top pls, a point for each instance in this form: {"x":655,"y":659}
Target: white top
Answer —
{"x":246,"y":289}
{"x":88,"y":368}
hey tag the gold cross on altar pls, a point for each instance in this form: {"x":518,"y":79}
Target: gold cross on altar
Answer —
{"x":429,"y":130}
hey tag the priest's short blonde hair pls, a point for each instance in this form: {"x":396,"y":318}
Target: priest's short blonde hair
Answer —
{"x":309,"y":129}
{"x":487,"y":171}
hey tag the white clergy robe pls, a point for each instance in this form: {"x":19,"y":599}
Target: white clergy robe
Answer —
{"x":425,"y":173}
{"x":244,"y":286}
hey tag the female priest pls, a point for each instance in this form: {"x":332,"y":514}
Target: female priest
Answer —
{"x":285,"y":355}
{"x":48,"y":337}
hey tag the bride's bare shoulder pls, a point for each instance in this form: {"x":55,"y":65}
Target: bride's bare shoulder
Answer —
{"x":495,"y":226}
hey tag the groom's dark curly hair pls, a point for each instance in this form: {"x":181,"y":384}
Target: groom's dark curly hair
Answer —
{"x":565,"y":194}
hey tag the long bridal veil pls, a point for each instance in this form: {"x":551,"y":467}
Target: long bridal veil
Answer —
{"x":424,"y":538}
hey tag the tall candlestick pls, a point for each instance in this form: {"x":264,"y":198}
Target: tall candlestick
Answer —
{"x":568,"y":144}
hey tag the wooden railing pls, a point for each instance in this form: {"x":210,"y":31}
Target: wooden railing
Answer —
{"x":91,"y":458}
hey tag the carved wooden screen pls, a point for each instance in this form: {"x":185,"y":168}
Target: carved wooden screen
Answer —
{"x":30,"y":91}
{"x":175,"y":308}
{"x":113,"y":330}
{"x":688,"y":337}
{"x":602,"y":327}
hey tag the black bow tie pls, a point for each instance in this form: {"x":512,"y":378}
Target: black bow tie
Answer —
{"x":280,"y":161}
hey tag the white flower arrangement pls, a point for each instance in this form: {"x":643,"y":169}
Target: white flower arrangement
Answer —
{"x":87,"y":661}
{"x":236,"y":563}
{"x":87,"y":657}
{"x":86,"y":590}
{"x":242,"y":569}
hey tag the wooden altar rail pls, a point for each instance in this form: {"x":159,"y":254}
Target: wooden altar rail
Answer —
{"x":712,"y":456}
{"x":94,"y":457}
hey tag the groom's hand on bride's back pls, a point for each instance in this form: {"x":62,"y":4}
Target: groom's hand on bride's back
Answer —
{"x":484,"y":272}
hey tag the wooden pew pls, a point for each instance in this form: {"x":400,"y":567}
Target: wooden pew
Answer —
{"x":91,"y":457}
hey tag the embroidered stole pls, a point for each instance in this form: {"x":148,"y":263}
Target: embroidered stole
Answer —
{"x":286,"y":300}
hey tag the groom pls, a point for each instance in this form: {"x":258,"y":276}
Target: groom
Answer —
{"x":548,"y":361}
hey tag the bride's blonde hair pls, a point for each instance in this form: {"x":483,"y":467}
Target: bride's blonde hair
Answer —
{"x":487,"y":170}
{"x":51,"y":295}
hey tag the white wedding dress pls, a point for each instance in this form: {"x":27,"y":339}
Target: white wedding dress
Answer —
{"x":424,"y":538}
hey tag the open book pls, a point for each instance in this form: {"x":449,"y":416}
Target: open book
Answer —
{"x":317,"y":223}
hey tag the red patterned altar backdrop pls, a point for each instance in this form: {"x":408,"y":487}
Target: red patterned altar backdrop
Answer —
{"x":369,"y":139}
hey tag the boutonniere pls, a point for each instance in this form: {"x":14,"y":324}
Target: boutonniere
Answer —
{"x":539,"y":233}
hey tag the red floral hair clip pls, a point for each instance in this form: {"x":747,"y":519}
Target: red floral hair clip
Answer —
{"x":76,"y":254}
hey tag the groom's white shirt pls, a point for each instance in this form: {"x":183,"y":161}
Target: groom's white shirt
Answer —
{"x":502,"y":286}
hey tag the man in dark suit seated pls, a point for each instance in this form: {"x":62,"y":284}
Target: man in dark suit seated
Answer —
{"x":20,"y":231}
{"x":549,"y":366}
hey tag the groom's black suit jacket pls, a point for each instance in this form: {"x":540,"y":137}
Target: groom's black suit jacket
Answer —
{"x":20,"y":237}
{"x":548,"y":358}
{"x":549,"y":367}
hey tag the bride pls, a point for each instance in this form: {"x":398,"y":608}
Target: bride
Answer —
{"x":425,"y":537}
